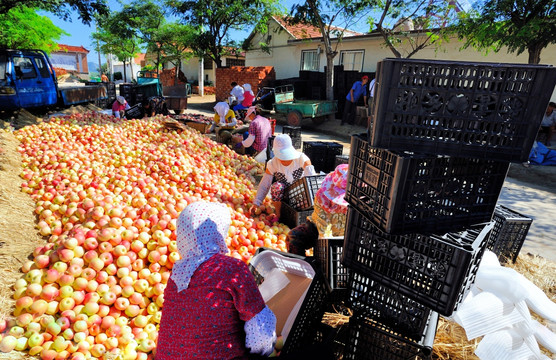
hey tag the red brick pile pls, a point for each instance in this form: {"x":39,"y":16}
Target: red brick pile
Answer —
{"x":257,"y":76}
{"x":168,"y":77}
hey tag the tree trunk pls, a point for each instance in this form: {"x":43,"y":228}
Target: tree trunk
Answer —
{"x":178,"y":68}
{"x":330,"y":80}
{"x":535,"y":53}
{"x":157,"y":62}
{"x":125,"y":75}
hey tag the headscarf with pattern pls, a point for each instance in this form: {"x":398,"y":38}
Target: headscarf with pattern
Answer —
{"x":201,"y":232}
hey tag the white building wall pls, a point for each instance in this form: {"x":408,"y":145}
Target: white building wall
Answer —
{"x":286,"y":58}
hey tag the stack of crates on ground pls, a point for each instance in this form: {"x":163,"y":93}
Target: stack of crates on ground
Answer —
{"x":295,"y":134}
{"x":297,"y":203}
{"x":422,"y":188}
{"x":322,"y":154}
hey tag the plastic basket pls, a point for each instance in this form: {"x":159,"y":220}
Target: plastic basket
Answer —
{"x":322,"y":154}
{"x":480,"y":110}
{"x":134,"y":112}
{"x":301,"y":194}
{"x":329,"y":253}
{"x":307,"y":322}
{"x":295,"y":134}
{"x":509,"y":233}
{"x":341,"y":159}
{"x":292,"y":217}
{"x":404,"y":192}
{"x":371,"y":340}
{"x":434,"y":270}
{"x":387,"y":306}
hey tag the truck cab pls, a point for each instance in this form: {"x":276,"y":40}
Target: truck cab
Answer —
{"x":27,"y":80}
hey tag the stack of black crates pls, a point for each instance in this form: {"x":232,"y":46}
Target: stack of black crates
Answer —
{"x":323,"y":154}
{"x":422,"y":188}
{"x":295,"y":134}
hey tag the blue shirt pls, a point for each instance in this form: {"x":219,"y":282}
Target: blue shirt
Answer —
{"x":358,"y":90}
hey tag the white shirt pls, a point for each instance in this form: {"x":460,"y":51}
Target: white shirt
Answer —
{"x":549,"y":120}
{"x":372,"y":88}
{"x":237,"y":92}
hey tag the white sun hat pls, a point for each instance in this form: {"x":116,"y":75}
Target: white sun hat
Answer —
{"x":120,"y":99}
{"x":283,"y":148}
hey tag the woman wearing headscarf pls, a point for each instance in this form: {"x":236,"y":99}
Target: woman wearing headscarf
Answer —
{"x":212,"y":306}
{"x":329,"y":215}
{"x":119,"y":107}
{"x":287,"y":166}
{"x":248,"y":97}
{"x":224,"y":118}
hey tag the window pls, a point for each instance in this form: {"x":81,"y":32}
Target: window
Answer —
{"x":235,"y":62}
{"x":352,"y":60}
{"x":24,"y":68}
{"x":310,"y":60}
{"x":207,"y":63}
{"x":42,"y":67}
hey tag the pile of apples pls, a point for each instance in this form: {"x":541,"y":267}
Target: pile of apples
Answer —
{"x":108,"y":194}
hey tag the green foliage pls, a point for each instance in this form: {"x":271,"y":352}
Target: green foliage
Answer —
{"x":85,"y":9}
{"x":22,"y":27}
{"x":176,"y":42}
{"x":408,"y":26}
{"x":215,"y":18}
{"x":520,"y":25}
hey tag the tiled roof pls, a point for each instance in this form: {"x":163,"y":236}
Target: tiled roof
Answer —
{"x":71,"y":48}
{"x":308,"y":31}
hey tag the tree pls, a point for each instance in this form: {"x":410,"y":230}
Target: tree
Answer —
{"x":324,"y":16}
{"x":408,"y":26}
{"x":85,"y":8}
{"x":147,"y":20}
{"x":176,"y":42}
{"x":22,"y":27}
{"x":215,"y":18}
{"x":117,"y":38}
{"x":518,"y":24}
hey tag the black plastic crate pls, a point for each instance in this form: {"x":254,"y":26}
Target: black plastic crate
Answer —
{"x":126,"y":90}
{"x":301,"y":194}
{"x":322,"y":154}
{"x":387,"y":306}
{"x":295,"y":134}
{"x":134,"y":112}
{"x":474,"y":109}
{"x":509,"y":233}
{"x":292,"y":217}
{"x":341,"y":159}
{"x":307,"y":324}
{"x":434,"y":270}
{"x":407,"y":192}
{"x":329,"y":253}
{"x":371,"y":340}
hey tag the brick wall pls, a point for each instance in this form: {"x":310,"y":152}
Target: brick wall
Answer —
{"x":256,"y":76}
{"x":168,"y":77}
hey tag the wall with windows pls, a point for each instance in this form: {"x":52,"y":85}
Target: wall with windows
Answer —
{"x":363,"y":54}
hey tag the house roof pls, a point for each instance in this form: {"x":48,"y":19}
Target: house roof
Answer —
{"x":71,"y":48}
{"x":308,"y":31}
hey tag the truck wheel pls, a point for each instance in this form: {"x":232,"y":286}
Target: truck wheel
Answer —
{"x":294,"y":118}
{"x":318,"y":120}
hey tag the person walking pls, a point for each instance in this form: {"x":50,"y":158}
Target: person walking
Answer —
{"x":359,"y":88}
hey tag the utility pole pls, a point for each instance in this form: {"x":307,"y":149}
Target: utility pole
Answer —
{"x":98,"y":53}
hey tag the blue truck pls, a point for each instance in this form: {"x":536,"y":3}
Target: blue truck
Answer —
{"x":28,"y":80}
